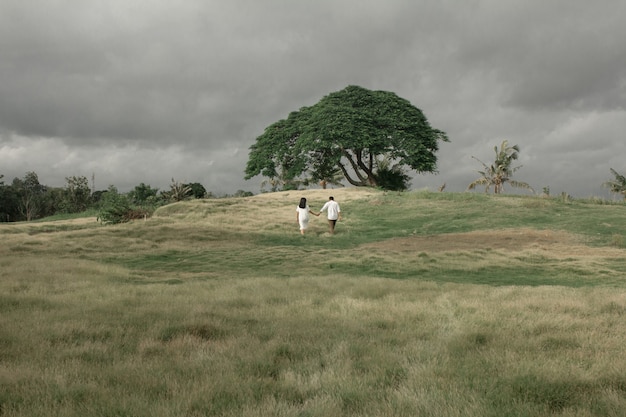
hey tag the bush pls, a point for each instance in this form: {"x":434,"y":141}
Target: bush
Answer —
{"x":116,"y":208}
{"x":392,"y":179}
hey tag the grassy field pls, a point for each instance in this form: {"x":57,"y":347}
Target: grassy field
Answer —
{"x":421,"y":304}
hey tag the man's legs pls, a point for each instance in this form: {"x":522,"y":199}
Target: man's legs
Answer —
{"x":331,"y":223}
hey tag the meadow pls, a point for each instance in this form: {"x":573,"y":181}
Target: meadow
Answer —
{"x":421,"y":304}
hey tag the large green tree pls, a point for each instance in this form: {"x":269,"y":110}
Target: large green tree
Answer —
{"x":347,"y":130}
{"x":500,"y":171}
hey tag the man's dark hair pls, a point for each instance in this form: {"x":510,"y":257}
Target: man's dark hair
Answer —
{"x":331,"y":198}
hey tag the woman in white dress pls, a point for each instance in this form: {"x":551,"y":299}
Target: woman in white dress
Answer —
{"x":302,"y":215}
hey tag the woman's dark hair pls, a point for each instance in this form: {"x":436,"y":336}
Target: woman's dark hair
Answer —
{"x":302,"y":203}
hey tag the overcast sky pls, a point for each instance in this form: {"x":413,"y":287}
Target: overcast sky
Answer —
{"x":132,"y":91}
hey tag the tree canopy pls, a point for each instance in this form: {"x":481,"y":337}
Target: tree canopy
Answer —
{"x":356,"y":131}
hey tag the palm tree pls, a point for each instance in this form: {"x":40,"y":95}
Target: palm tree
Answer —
{"x":334,"y":178}
{"x":178,"y":191}
{"x":282,"y":182}
{"x":617,"y":186}
{"x":501,"y":171}
{"x":390,"y":175}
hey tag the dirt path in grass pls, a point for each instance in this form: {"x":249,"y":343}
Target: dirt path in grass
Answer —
{"x":556,"y":243}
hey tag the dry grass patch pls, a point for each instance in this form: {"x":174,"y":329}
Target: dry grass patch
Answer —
{"x":340,"y":194}
{"x":553,"y":243}
{"x":508,"y":239}
{"x":267,"y":212}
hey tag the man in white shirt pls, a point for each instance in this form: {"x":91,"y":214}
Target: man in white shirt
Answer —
{"x":334,"y":213}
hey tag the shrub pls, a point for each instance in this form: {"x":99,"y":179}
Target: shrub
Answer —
{"x":116,"y":208}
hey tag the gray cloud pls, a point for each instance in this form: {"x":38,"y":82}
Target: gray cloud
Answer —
{"x":144,"y":91}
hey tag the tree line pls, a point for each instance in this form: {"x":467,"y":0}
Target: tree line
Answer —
{"x":26,"y":199}
{"x":362,"y":137}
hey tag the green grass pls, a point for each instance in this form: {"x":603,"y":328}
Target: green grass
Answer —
{"x":221,"y":308}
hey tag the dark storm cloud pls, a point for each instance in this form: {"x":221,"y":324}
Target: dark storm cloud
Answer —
{"x":144,"y":91}
{"x":551,"y":55}
{"x":85,"y":73}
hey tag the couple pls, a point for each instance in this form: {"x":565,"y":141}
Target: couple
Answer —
{"x":303,"y":210}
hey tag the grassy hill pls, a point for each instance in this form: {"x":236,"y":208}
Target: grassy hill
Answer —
{"x":439,"y":304}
